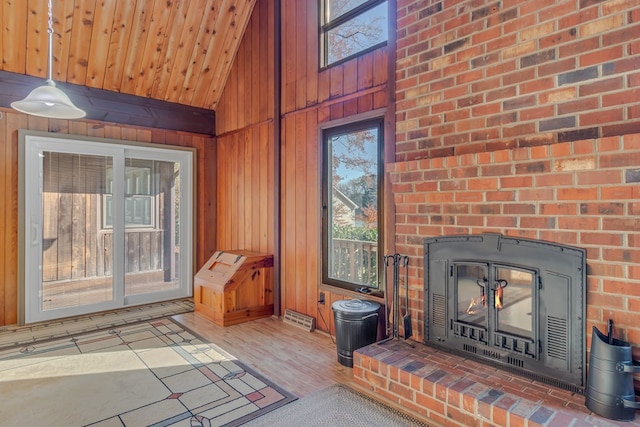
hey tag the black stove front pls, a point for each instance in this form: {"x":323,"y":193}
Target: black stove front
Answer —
{"x":515,"y":303}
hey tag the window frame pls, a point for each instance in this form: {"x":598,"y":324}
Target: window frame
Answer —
{"x":327,"y":25}
{"x":343,"y":129}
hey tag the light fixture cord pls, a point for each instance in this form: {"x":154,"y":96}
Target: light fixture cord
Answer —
{"x":50,"y":31}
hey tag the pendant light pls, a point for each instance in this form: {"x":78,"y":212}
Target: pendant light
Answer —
{"x":48,"y":100}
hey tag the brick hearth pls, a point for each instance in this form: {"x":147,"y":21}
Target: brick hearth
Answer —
{"x":444,"y":389}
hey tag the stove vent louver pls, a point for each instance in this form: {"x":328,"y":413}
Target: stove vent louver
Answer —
{"x":557,"y":338}
{"x":438,"y":310}
{"x":491,"y":354}
{"x":515,"y":362}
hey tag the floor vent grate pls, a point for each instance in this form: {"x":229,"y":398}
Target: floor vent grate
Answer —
{"x":300,"y":320}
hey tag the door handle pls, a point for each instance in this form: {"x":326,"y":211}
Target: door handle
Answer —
{"x":35,"y":229}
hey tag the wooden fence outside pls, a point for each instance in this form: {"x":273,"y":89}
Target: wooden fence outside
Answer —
{"x":355,"y":261}
{"x":76,"y":242}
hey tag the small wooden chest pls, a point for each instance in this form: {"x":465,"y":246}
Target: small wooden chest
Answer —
{"x":234,"y":287}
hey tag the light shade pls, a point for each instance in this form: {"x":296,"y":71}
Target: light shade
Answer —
{"x":49,"y":101}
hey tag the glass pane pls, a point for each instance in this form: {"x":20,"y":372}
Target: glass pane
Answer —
{"x":337,"y":8}
{"x":471,"y":287}
{"x":152,"y":253}
{"x":514,"y":290}
{"x":76,"y":251}
{"x":139,"y":201}
{"x":353,"y":207}
{"x":360,"y":33}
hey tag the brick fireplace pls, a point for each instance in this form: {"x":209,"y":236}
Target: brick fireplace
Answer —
{"x":523,"y":118}
{"x":582,"y":193}
{"x":520,"y":118}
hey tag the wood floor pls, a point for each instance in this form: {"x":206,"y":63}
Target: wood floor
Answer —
{"x":299,"y":361}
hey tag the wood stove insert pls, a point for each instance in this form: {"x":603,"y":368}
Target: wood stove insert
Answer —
{"x":515,"y":303}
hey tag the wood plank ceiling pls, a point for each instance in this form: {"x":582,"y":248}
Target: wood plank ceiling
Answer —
{"x":178,"y":51}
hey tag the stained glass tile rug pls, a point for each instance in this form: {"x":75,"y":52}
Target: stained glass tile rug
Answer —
{"x":153,"y":373}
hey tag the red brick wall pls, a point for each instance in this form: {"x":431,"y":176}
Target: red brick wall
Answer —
{"x":582,"y":193}
{"x":523,"y":117}
{"x":480,"y":75}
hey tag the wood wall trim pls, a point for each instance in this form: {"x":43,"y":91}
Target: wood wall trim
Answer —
{"x":360,"y":117}
{"x":112,"y":107}
{"x":340,"y":100}
{"x":245,"y":128}
{"x":389,"y":153}
{"x":277,"y":152}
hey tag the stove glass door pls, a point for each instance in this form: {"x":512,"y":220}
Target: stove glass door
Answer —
{"x":471,"y":292}
{"x":513,"y":300}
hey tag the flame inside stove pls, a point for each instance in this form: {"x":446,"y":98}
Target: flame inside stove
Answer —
{"x":499,"y":292}
{"x":476,"y":304}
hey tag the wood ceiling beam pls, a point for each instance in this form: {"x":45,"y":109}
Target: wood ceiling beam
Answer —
{"x":106,"y":106}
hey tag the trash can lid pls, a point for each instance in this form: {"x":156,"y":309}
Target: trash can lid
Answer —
{"x":355,"y":306}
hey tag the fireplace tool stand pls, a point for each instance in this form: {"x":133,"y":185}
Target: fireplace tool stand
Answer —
{"x":392,"y":328}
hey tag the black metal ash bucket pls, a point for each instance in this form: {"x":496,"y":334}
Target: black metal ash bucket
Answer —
{"x":356,"y":326}
{"x":610,"y":379}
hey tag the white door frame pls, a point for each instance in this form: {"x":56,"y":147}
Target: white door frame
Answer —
{"x":32,"y":147}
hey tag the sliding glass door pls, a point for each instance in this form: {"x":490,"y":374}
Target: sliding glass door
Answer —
{"x":152,"y":227}
{"x":102,"y":226}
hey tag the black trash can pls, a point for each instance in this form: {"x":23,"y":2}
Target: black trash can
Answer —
{"x":356,"y":326}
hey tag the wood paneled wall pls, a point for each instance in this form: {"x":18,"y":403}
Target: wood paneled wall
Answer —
{"x":248,"y":97}
{"x":11,"y":121}
{"x":300,"y":210}
{"x":312,"y":98}
{"x":246,"y":191}
{"x":245,"y":117}
{"x":246,"y":141}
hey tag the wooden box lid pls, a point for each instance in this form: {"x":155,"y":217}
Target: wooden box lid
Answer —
{"x":225,"y":268}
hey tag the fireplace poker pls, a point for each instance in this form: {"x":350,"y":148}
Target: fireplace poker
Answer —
{"x":408,"y":328}
{"x":386,"y":296}
{"x":396,"y":295}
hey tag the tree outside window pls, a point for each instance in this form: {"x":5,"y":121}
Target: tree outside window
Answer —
{"x":352,"y":27}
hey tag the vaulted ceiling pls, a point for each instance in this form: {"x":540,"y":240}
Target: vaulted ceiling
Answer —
{"x":178,"y":51}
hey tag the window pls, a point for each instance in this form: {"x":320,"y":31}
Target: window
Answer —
{"x":352,"y":180}
{"x":352,"y":27}
{"x":139,"y":201}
